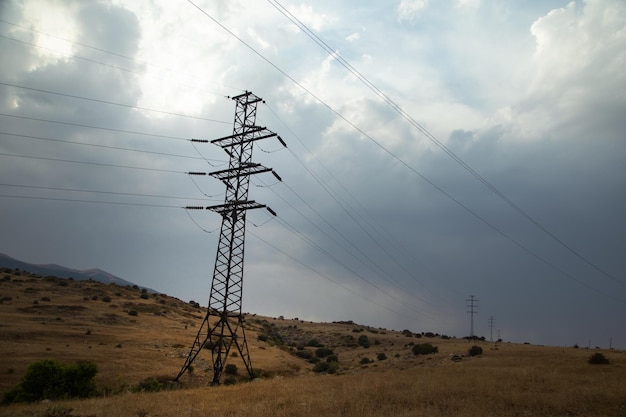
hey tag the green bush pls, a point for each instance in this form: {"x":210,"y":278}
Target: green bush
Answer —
{"x":323,"y":352}
{"x":314,"y":343}
{"x":304,"y":354}
{"x":598,"y":359}
{"x":424,"y":349}
{"x":381,"y":356}
{"x":327,"y":367}
{"x":475,"y":351}
{"x":230,"y":369}
{"x":363,"y":341}
{"x":51,"y":380}
{"x":147,"y":385}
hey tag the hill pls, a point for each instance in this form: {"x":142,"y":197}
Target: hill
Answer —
{"x":133,"y":336}
{"x":61,"y":271}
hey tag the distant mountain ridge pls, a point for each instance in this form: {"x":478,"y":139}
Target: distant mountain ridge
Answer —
{"x":62,"y":272}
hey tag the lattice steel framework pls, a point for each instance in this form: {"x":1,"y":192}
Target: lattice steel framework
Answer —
{"x":222,"y":326}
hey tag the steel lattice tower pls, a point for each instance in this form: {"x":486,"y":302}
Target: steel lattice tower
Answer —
{"x":222,"y":326}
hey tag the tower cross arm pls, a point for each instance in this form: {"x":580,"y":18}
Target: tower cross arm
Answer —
{"x":249,"y":135}
{"x":244,"y":170}
{"x":238,"y":205}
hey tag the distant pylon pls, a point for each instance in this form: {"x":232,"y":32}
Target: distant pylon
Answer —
{"x":472,"y":305}
{"x":492,"y":322}
{"x":222,"y":326}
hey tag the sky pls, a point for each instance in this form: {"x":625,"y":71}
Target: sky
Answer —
{"x":436,"y":150}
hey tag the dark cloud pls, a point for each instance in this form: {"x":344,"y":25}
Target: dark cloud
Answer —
{"x":360,"y":236}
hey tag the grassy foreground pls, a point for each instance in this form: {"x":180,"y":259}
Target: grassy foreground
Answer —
{"x":522,"y":382}
{"x":69,"y":321}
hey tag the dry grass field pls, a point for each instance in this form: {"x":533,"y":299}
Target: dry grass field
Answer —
{"x":132,"y":336}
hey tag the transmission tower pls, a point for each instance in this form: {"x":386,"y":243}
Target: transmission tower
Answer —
{"x":492,"y":322}
{"x":472,"y":309}
{"x":222,"y":326}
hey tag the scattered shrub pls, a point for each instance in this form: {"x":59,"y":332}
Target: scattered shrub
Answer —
{"x":363,"y":341}
{"x":304,"y":354}
{"x":598,"y":359}
{"x":327,"y":367}
{"x":132,"y":312}
{"x":475,"y":351}
{"x":58,"y":411}
{"x":314,"y":343}
{"x":50,"y":380}
{"x":323,"y":352}
{"x":365,"y":361}
{"x":381,"y":356}
{"x":230,"y":369}
{"x":106,"y":299}
{"x":332,"y":358}
{"x":424,"y":349}
{"x":230,"y":380}
{"x":144,"y":295}
{"x":147,"y":385}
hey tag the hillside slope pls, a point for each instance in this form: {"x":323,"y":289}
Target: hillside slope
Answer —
{"x":62,"y":272}
{"x":132,"y":334}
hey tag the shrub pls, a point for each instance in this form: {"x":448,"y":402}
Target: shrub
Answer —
{"x":144,"y":295}
{"x":58,"y":411}
{"x":49,"y":379}
{"x":327,"y":367}
{"x":148,"y":385}
{"x":314,"y":343}
{"x":475,"y":351}
{"x":323,"y":352}
{"x":230,"y":369}
{"x":424,"y":349}
{"x":106,"y":299}
{"x":304,"y":354}
{"x":332,"y":358}
{"x":132,"y":312}
{"x":230,"y":380}
{"x":598,"y":359}
{"x":363,"y":341}
{"x":364,"y":361}
{"x":381,"y":356}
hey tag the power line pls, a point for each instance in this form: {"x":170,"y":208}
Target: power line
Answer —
{"x":170,"y":70}
{"x":326,"y":277}
{"x":100,"y":146}
{"x":396,"y":157}
{"x":111,"y":103}
{"x":92,"y":163}
{"x":433,"y":139}
{"x":93,"y":61}
{"x":78,"y":190}
{"x":119,"y":203}
{"x":339,"y":196}
{"x":93,"y":127}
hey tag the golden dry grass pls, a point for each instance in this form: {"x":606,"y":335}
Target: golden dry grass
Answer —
{"x":507,"y":380}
